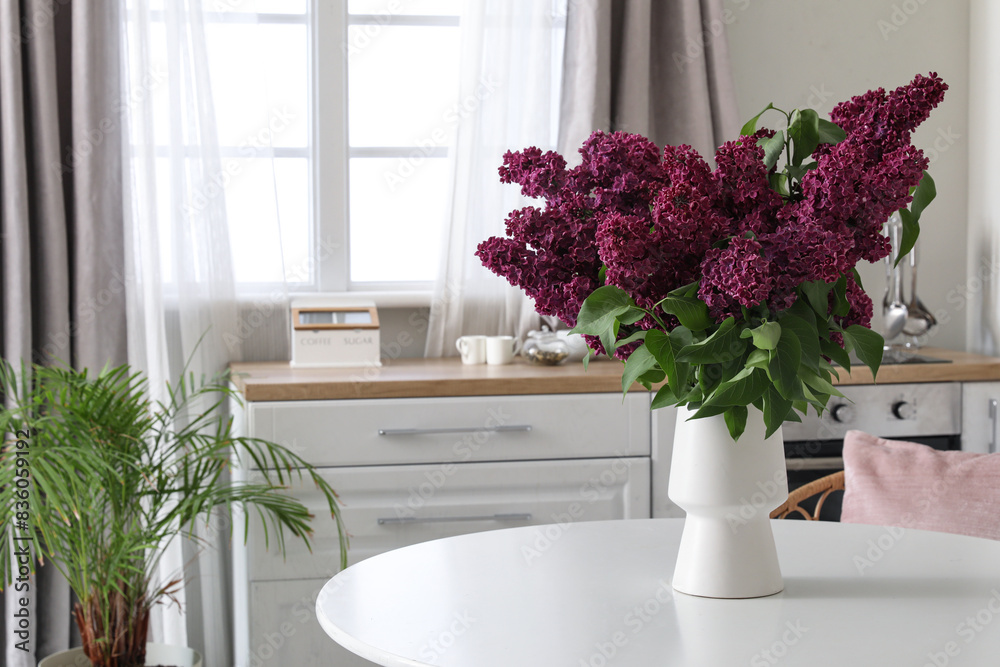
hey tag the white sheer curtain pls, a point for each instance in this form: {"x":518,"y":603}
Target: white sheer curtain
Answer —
{"x":182,"y":295}
{"x":511,"y":74}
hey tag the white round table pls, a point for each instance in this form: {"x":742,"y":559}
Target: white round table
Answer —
{"x":598,"y":594}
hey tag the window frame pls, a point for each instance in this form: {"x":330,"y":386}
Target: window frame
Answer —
{"x":331,"y":150}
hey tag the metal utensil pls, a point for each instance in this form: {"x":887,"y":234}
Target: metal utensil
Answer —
{"x":918,"y":318}
{"x":894,"y":309}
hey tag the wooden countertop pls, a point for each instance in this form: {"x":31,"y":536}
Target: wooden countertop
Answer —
{"x":410,"y":378}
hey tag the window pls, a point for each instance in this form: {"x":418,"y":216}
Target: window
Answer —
{"x":361,"y":97}
{"x":385,"y":151}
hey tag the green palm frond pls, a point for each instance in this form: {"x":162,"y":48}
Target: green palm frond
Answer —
{"x":115,"y":474}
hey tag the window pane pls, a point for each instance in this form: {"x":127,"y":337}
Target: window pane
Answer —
{"x":406,"y":7}
{"x":403,"y":84}
{"x":396,"y":220}
{"x":260,"y":69}
{"x":258,"y":6}
{"x":258,"y":250}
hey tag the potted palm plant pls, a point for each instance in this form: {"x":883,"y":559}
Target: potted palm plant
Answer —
{"x":99,"y":476}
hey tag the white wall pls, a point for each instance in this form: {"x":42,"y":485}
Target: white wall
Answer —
{"x":984,"y":175}
{"x":816,"y":53}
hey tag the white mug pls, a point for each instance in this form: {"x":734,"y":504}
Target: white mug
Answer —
{"x":500,"y":349}
{"x":472,"y":349}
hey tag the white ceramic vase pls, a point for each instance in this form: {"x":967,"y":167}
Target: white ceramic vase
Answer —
{"x":156,"y":654}
{"x":728,"y":490}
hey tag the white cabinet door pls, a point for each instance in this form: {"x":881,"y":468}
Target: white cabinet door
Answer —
{"x":462,"y":429}
{"x":284,"y":630}
{"x":979,"y":416}
{"x":387,"y":507}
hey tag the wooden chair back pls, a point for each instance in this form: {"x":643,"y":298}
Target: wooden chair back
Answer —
{"x":822,"y":487}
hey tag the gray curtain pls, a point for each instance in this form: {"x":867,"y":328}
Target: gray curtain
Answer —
{"x":61,"y":244}
{"x":652,"y":67}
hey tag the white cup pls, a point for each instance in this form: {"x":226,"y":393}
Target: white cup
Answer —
{"x":500,"y":350}
{"x":472,"y":349}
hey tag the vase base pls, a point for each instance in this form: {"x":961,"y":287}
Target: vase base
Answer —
{"x":719,"y":560}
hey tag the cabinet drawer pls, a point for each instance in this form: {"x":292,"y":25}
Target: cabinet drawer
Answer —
{"x":388,"y":507}
{"x":459,"y":429}
{"x":284,"y":629}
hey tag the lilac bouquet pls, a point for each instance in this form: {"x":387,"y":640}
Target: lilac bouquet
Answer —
{"x":734,"y":286}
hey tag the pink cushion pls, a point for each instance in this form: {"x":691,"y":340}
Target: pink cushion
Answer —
{"x":893,"y":483}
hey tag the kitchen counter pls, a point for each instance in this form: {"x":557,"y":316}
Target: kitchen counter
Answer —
{"x":408,"y":378}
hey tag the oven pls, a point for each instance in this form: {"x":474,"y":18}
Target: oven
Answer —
{"x":927,"y":413}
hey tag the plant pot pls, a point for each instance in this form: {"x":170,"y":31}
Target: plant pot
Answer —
{"x":728,"y":490}
{"x":156,"y":654}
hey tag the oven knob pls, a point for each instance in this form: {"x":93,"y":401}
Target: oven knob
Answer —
{"x":904,"y":410}
{"x":842,"y":413}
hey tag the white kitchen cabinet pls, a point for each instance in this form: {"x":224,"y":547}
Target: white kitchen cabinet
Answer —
{"x":409,"y":470}
{"x":979,"y":416}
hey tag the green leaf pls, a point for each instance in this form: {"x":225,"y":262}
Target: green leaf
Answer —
{"x":765,"y":337}
{"x":778,"y":182}
{"x":816,"y":383}
{"x":609,"y":337}
{"x":640,"y":361}
{"x":651,"y":377}
{"x":692,"y":312}
{"x":841,"y":306}
{"x":690,"y":290}
{"x":736,"y":420}
{"x":743,"y":389}
{"x":830,"y":133}
{"x":773,"y":148}
{"x":600,"y":310}
{"x":708,"y":411}
{"x":663,"y":350}
{"x":796,"y":172}
{"x":804,"y":132}
{"x":817,"y":294}
{"x":751,"y":125}
{"x":835,"y":352}
{"x":808,"y":339}
{"x":632,"y":315}
{"x":664,"y":397}
{"x":776,"y":410}
{"x":924,"y":194}
{"x":721,"y":346}
{"x":784,"y":366}
{"x":638,"y":335}
{"x":910,"y":233}
{"x":867,"y":345}
{"x":758,"y":359}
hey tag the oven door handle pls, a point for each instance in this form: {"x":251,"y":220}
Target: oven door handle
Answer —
{"x":816,"y":463}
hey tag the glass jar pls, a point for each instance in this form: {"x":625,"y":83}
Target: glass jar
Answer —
{"x":545,"y":348}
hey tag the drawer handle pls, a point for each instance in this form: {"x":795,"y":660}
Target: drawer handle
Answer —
{"x":993,"y":426}
{"x":460,"y":429}
{"x":818,"y":463}
{"x":383,"y":521}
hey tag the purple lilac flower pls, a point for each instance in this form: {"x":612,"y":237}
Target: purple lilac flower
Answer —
{"x":656,"y":221}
